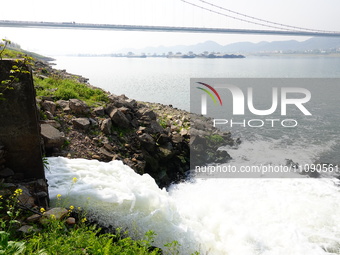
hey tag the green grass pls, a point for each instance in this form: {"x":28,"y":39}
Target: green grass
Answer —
{"x":8,"y":53}
{"x":55,"y":237}
{"x":59,"y":88}
{"x":83,"y":240}
{"x":20,"y":53}
{"x":215,"y":139}
{"x":66,"y":89}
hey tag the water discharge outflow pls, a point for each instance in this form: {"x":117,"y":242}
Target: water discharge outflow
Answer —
{"x":215,"y":216}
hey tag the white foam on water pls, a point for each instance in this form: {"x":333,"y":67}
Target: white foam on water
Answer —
{"x":214,"y":216}
{"x":114,"y":195}
{"x":262,"y":216}
{"x":275,"y":151}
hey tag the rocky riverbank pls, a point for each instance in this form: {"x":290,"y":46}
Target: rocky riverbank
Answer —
{"x":149,"y":137}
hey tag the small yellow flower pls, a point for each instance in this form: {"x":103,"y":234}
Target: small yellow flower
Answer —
{"x":0,"y":196}
{"x":18,"y":192}
{"x":71,"y":207}
{"x":83,"y":219}
{"x":79,"y":209}
{"x":74,"y":180}
{"x":58,"y":196}
{"x":42,"y":210}
{"x":52,"y":216}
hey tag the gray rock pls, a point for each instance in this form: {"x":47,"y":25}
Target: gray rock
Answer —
{"x":99,"y":111}
{"x":63,"y":104}
{"x":166,"y":151}
{"x":26,"y":199}
{"x":93,"y":122}
{"x":78,"y":107}
{"x":148,"y":114}
{"x":106,"y":126}
{"x":121,"y":101}
{"x":163,"y":138}
{"x":155,"y":127}
{"x":105,"y":153}
{"x":81,"y":123}
{"x":55,"y":213}
{"x":34,"y":218}
{"x":118,"y":118}
{"x":71,"y":221}
{"x":41,"y":183}
{"x":8,"y":185}
{"x":52,"y":136}
{"x":132,"y":102}
{"x":49,"y":106}
{"x":108,"y":146}
{"x":184,"y":132}
{"x":124,"y":109}
{"x":6,"y":172}
{"x":196,"y":132}
{"x":177,"y":138}
{"x":41,"y":194}
{"x":26,"y":229}
{"x":53,"y":123}
{"x":200,"y":124}
{"x":147,"y":142}
{"x":49,"y":115}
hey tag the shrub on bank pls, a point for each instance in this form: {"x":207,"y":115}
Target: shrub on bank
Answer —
{"x":66,"y":89}
{"x":54,"y":236}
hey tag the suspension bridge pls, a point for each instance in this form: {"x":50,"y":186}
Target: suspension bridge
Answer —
{"x":88,"y":26}
{"x":267,"y":27}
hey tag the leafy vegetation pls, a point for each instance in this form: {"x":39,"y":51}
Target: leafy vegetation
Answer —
{"x":9,"y":49}
{"x":56,"y":237}
{"x":215,"y":139}
{"x":66,"y":89}
{"x":18,"y":69}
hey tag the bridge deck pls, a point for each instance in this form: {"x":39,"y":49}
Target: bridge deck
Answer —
{"x":87,"y":26}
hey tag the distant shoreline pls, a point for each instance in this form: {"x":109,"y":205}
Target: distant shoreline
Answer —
{"x":330,"y":55}
{"x":186,"y":56}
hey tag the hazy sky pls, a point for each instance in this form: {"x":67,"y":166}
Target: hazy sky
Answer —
{"x":314,"y":14}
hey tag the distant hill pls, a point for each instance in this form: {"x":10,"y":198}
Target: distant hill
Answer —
{"x":316,"y":43}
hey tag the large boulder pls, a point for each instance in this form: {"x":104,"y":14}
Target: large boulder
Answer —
{"x":53,"y":138}
{"x":78,"y":107}
{"x":119,"y":119}
{"x":147,"y":142}
{"x":81,"y":123}
{"x":147,"y":114}
{"x":49,"y":106}
{"x":56,"y":213}
{"x":106,"y":126}
{"x":99,"y":111}
{"x":63,"y":104}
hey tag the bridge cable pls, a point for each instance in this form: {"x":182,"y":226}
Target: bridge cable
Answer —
{"x":265,"y":21}
{"x":233,"y":17}
{"x":252,"y":22}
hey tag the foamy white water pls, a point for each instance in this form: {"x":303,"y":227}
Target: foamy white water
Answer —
{"x":215,"y":216}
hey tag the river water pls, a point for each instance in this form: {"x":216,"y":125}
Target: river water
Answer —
{"x":217,"y":216}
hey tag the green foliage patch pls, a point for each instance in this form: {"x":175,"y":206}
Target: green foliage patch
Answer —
{"x":56,"y":237}
{"x":215,"y":139}
{"x":84,"y":240}
{"x":66,"y":89}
